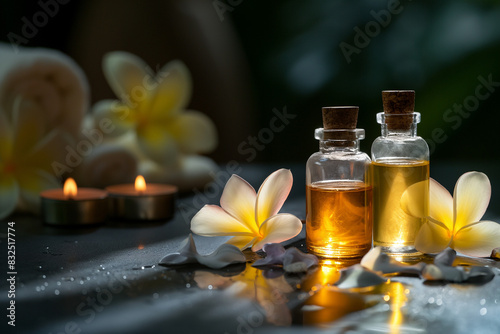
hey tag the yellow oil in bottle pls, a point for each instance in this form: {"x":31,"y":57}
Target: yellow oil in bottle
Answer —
{"x":339,"y":218}
{"x":393,"y":229}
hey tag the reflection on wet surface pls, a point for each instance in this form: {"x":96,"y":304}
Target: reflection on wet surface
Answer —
{"x":308,"y":299}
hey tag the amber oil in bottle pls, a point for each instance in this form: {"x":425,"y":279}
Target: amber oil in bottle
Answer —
{"x":338,"y":194}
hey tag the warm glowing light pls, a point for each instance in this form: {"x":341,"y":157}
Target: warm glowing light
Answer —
{"x":70,"y":189}
{"x":140,"y":184}
{"x":140,"y":247}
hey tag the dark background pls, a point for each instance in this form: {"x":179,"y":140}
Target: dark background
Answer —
{"x":250,"y":57}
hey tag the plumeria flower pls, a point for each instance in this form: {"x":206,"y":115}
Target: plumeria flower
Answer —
{"x":26,"y":155}
{"x":152,"y":108}
{"x":455,"y":221}
{"x":251,"y":218}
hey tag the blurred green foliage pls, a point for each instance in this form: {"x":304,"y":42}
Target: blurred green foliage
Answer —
{"x":437,"y":48}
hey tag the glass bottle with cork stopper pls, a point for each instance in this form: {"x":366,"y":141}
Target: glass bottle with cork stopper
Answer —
{"x":400,"y":160}
{"x":338,"y":194}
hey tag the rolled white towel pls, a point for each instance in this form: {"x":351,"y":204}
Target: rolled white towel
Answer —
{"x":46,"y":77}
{"x":107,"y":165}
{"x":192,"y":172}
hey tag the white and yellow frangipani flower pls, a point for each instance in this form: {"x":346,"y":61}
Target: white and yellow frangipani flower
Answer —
{"x":152,"y":106}
{"x":455,"y":221}
{"x":26,"y":154}
{"x":251,"y":218}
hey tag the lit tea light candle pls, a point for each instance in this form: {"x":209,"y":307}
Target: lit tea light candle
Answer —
{"x":141,"y":201}
{"x":74,"y":206}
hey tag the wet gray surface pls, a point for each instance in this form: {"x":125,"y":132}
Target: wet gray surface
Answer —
{"x":106,"y":279}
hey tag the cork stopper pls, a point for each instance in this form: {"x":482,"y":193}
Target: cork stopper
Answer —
{"x":398,"y":102}
{"x":344,"y":117}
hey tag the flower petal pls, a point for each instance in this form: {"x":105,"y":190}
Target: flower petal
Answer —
{"x":278,"y":228}
{"x":212,"y":220}
{"x":172,"y":87}
{"x":412,"y":200}
{"x":380,"y":262}
{"x":158,"y":144}
{"x":223,"y":256}
{"x":274,"y":255}
{"x":432,"y":237}
{"x":357,"y":276}
{"x":242,"y":242}
{"x":9,"y":195}
{"x":127,"y":75}
{"x":272,"y":194}
{"x":440,"y":204}
{"x":115,"y":116}
{"x":477,"y":239}
{"x":238,"y":199}
{"x":195,"y":132}
{"x":471,"y":198}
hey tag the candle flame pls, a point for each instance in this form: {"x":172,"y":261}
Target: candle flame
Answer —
{"x":140,"y":184}
{"x":70,"y":189}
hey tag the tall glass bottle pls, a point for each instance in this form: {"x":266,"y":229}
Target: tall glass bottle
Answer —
{"x":400,"y":160}
{"x":338,"y":194}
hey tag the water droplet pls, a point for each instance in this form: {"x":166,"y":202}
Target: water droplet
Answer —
{"x":188,"y":285}
{"x":42,"y":287}
{"x":439,"y":302}
{"x":482,"y":301}
{"x":483,"y":311}
{"x":88,"y":278}
{"x":430,"y":300}
{"x":62,"y":268}
{"x":124,"y":276}
{"x":407,"y":291}
{"x":387,"y":298}
{"x":39,"y":267}
{"x":155,"y":295}
{"x":38,"y":288}
{"x":56,"y":292}
{"x":46,"y":284}
{"x":58,"y":283}
{"x":81,"y":282}
{"x":43,"y":276}
{"x":210,"y":287}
